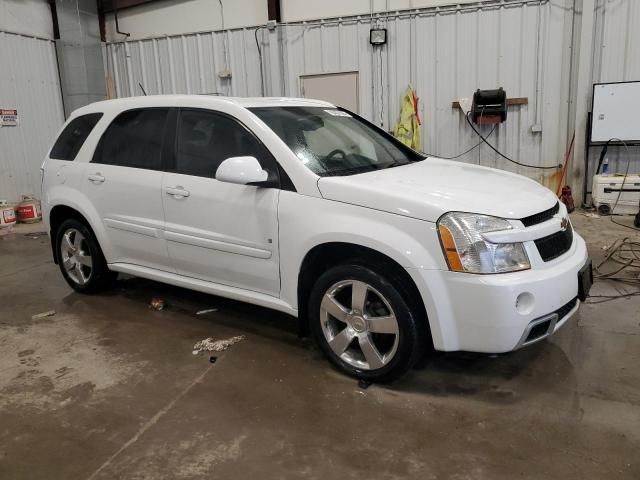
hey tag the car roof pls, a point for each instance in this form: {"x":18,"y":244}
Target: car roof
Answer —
{"x":210,"y":101}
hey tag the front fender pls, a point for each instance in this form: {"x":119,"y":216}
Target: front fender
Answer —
{"x":306,"y":222}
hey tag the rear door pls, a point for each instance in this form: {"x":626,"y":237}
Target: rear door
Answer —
{"x":216,"y":231}
{"x":123,"y":183}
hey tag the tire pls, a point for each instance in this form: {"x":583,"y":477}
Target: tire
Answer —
{"x":80,"y":258}
{"x":340,"y":324}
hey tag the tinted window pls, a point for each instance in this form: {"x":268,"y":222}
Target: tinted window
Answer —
{"x":134,"y":139}
{"x":73,"y":136}
{"x":206,"y":139}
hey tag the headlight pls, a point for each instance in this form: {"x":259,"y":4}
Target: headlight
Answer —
{"x":466,"y":250}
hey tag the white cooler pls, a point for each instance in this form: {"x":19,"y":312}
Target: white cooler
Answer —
{"x":607,"y":188}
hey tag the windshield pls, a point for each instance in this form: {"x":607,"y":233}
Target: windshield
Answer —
{"x":332,"y":142}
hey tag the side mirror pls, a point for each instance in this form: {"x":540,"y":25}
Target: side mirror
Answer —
{"x":241,"y":170}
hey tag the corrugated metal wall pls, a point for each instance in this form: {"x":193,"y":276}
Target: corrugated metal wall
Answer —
{"x":186,"y":64}
{"x":445,"y":52}
{"x":28,"y":82}
{"x":616,"y":58}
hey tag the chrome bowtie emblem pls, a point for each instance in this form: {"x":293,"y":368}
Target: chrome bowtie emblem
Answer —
{"x":564,"y":224}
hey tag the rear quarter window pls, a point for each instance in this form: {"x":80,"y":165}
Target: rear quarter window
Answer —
{"x":73,"y":136}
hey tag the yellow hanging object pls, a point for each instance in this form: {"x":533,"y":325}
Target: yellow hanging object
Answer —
{"x":407,"y":130}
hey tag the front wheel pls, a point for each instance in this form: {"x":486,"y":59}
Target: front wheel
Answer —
{"x":364,"y":324}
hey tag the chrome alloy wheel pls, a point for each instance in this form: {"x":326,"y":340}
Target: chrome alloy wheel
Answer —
{"x":359,"y":324}
{"x":75,"y":256}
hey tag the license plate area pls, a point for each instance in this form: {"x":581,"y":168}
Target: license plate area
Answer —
{"x":585,"y":280}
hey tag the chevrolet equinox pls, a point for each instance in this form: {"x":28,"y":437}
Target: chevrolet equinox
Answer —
{"x":297,"y":205}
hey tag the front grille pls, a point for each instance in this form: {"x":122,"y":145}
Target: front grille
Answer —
{"x":540,"y":217}
{"x":556,"y":244}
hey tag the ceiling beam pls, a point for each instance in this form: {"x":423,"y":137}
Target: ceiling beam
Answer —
{"x":54,"y":19}
{"x":273,"y":10}
{"x":101,"y":21}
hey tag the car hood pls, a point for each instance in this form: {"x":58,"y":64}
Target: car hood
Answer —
{"x":427,"y":189}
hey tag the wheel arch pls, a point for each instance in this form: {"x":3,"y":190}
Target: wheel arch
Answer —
{"x":326,"y":255}
{"x":57,"y":215}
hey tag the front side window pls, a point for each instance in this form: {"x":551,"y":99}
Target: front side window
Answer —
{"x":332,"y":142}
{"x":134,"y":139}
{"x":205,"y":139}
{"x":73,"y":136}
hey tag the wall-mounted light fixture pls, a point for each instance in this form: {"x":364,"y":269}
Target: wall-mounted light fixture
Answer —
{"x":378,"y":36}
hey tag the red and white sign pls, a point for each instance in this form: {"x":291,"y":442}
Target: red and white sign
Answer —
{"x":8,"y":117}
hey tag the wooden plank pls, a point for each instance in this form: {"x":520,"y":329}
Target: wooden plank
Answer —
{"x":510,"y":102}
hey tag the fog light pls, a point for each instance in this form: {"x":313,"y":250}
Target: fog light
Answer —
{"x":525,"y":303}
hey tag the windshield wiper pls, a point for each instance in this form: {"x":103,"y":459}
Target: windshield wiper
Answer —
{"x":350,"y":171}
{"x":395,"y":163}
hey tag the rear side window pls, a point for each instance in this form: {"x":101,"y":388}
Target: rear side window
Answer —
{"x":73,"y":136}
{"x":205,"y":139}
{"x":134,"y":139}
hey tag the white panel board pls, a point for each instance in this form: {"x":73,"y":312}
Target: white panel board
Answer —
{"x":338,"y":88}
{"x":616,"y":107}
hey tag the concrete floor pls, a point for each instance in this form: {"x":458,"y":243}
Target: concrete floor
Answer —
{"x":108,"y":388}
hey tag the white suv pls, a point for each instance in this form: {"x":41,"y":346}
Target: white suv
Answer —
{"x":306,"y":208}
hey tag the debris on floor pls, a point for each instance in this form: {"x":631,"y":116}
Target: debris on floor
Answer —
{"x":364,"y":384}
{"x":157,"y":304}
{"x":211,"y":345}
{"x":38,"y":316}
{"x":35,"y":235}
{"x":208,"y":310}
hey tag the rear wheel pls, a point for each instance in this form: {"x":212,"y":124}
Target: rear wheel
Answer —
{"x":364,"y":325}
{"x":80,"y":258}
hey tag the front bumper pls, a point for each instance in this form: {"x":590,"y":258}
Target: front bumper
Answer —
{"x":496,"y":313}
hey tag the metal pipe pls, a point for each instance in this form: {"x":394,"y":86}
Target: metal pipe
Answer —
{"x":225,"y":46}
{"x":115,"y":16}
{"x":26,"y":35}
{"x":417,"y":12}
{"x":54,"y":19}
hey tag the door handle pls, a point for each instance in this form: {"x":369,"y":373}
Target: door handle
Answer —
{"x":96,"y":178}
{"x":177,"y":192}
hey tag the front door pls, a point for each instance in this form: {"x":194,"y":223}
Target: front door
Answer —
{"x":124,"y":184}
{"x":220,"y":232}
